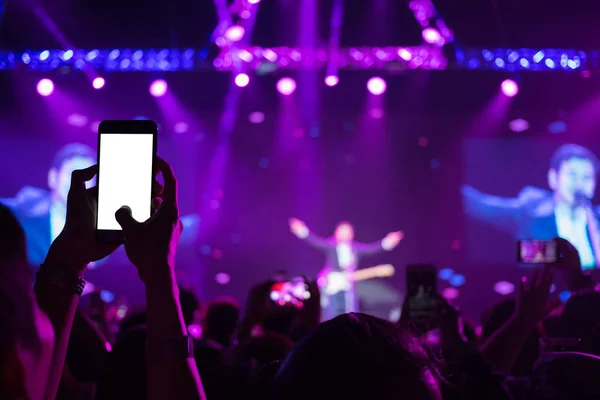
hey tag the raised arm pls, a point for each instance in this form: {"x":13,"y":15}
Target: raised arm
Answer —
{"x":502,"y":348}
{"x":389,"y":242}
{"x":499,"y":212}
{"x":59,"y":281}
{"x":152,"y":246}
{"x":301,"y":231}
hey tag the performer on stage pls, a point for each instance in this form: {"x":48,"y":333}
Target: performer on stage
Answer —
{"x":342,"y":254}
{"x":566,"y":211}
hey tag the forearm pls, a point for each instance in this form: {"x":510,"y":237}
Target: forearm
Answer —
{"x":503,"y":347}
{"x":168,"y":377}
{"x":374,"y":248}
{"x":59,"y":304}
{"x":95,"y":345}
{"x":497,"y":211}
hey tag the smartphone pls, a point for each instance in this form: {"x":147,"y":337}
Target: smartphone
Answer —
{"x":422,"y":305}
{"x":126,"y":152}
{"x":294,"y":292}
{"x":537,"y":251}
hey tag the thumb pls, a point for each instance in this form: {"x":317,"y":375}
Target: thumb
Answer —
{"x":124,"y":218}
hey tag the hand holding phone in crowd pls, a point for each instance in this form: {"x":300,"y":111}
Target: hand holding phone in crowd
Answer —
{"x":78,"y":239}
{"x":151,"y":245}
{"x":126,"y":170}
{"x":293,"y":292}
{"x":420,"y":308}
{"x":558,"y":253}
{"x":532,"y":299}
{"x":537,"y":251}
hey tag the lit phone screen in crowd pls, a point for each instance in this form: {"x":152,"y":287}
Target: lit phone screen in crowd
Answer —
{"x":536,"y":251}
{"x":125,"y":177}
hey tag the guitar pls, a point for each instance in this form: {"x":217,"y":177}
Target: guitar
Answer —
{"x":339,"y":281}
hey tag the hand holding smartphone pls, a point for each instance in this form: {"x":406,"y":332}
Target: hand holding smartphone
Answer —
{"x":421,"y":300}
{"x":294,"y":292}
{"x":126,"y":153}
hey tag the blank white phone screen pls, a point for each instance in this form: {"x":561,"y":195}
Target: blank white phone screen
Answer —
{"x":125,"y":177}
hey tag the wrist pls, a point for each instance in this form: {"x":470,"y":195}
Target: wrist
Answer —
{"x":71,"y":266}
{"x":160,"y":279}
{"x":386,"y":244}
{"x":55,"y":276}
{"x":62,"y":254}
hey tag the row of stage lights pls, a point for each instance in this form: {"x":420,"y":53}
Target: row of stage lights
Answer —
{"x":158,"y":88}
{"x":267,"y":60}
{"x":286,"y":86}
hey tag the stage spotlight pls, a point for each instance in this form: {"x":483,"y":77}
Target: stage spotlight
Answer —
{"x":446,"y":273}
{"x":564,"y":296}
{"x":331,"y":80}
{"x":376,"y":86}
{"x":253,"y":1}
{"x":77,"y":120}
{"x":242,"y":80}
{"x":181,"y":127}
{"x":450,"y":293}
{"x":286,"y":86}
{"x":504,"y":288}
{"x":457,"y":280}
{"x":98,"y":82}
{"x":235,"y":33}
{"x":557,"y":127}
{"x":405,"y":54}
{"x":509,"y":88}
{"x":256,"y":117}
{"x":518,"y":125}
{"x":432,"y":36}
{"x":222,"y":278}
{"x":158,"y":88}
{"x":45,"y":87}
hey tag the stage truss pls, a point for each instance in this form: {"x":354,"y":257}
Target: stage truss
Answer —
{"x":438,"y":52}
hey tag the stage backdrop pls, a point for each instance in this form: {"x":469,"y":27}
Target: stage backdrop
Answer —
{"x":249,"y":159}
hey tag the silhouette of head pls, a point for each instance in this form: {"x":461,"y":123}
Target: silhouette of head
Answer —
{"x":26,"y":336}
{"x":357,"y":356}
{"x":344,"y":232}
{"x":221,"y":320}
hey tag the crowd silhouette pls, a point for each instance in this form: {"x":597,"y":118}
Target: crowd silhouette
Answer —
{"x":528,"y":347}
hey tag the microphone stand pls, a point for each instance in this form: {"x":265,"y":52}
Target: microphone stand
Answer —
{"x":593,"y":229}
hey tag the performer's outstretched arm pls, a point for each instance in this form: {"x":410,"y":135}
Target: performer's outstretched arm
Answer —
{"x":389,"y":242}
{"x":301,"y":231}
{"x":499,"y":212}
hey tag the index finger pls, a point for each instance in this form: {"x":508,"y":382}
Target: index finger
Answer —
{"x":80,"y":176}
{"x":170,"y":190}
{"x":547,"y":276}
